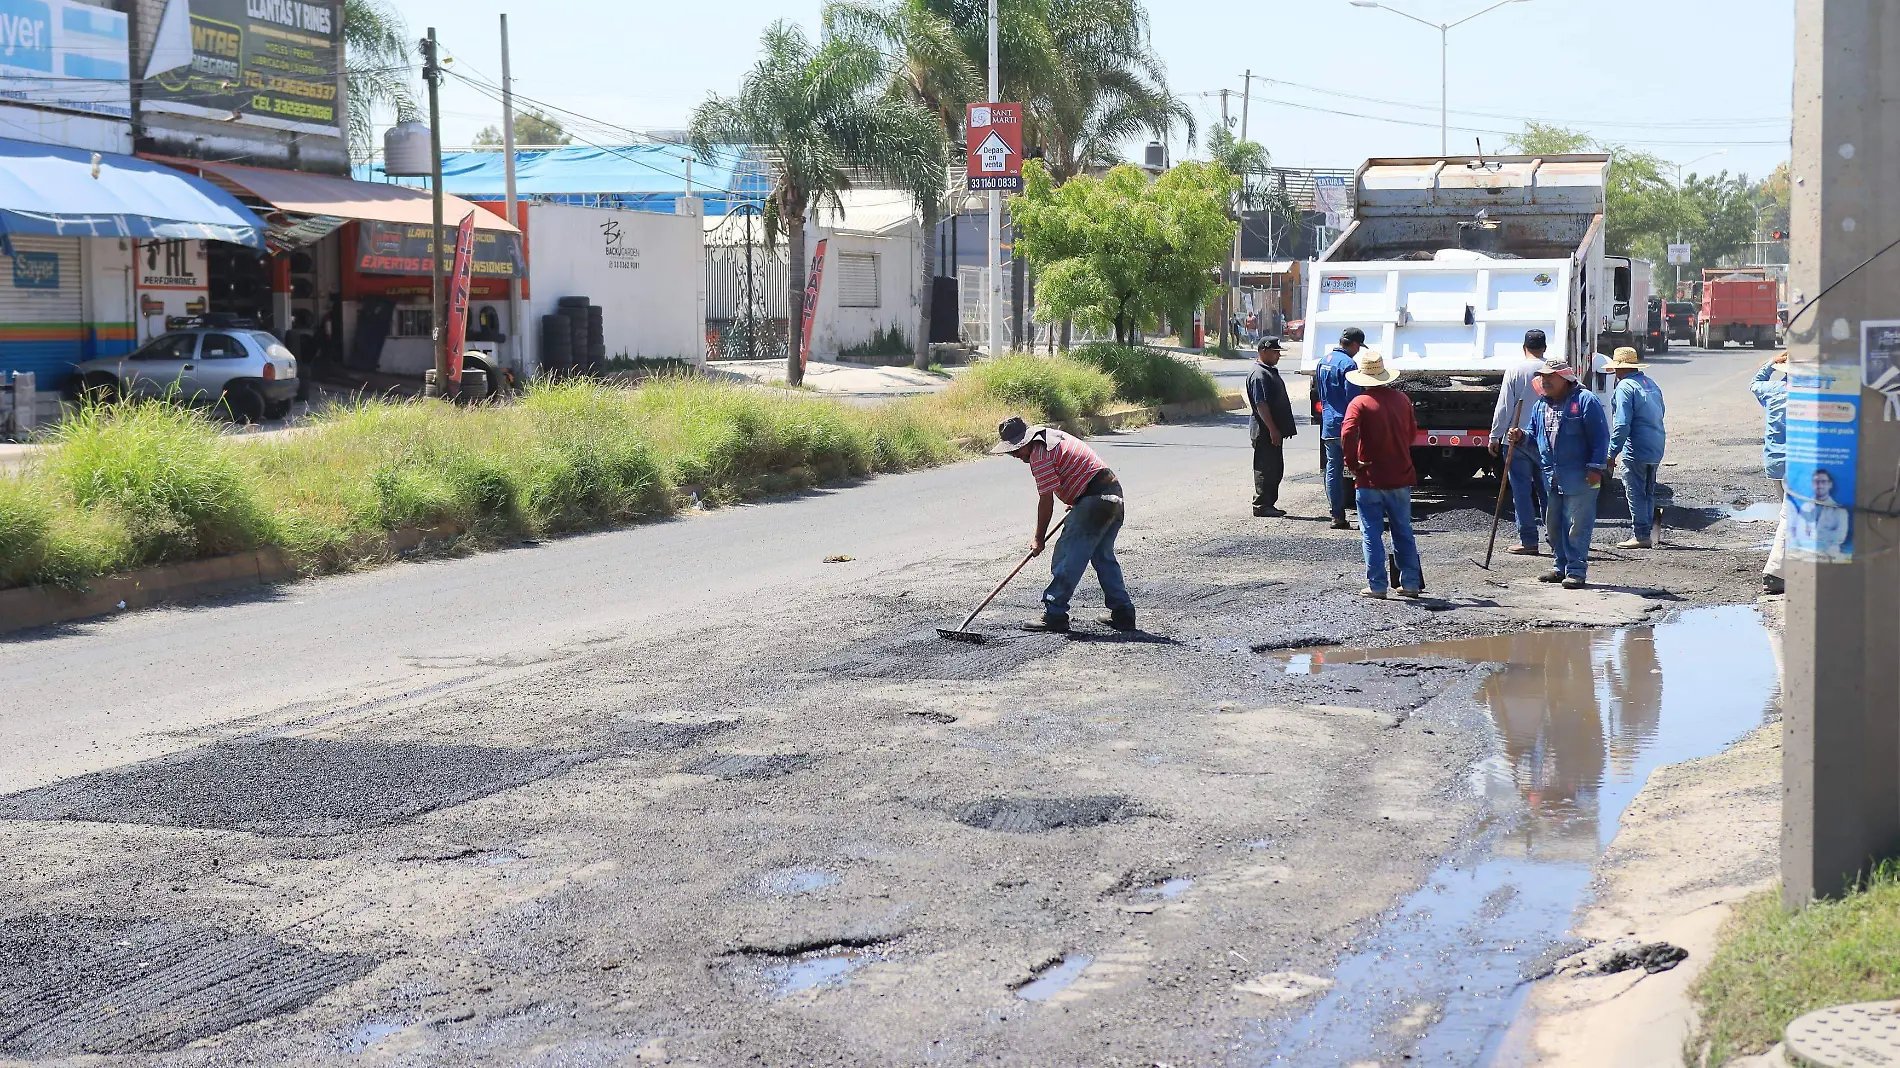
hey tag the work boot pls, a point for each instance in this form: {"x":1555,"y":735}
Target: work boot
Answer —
{"x":1377,"y":595}
{"x":1572,"y":582}
{"x":1551,"y":576}
{"x":1268,"y":512}
{"x":1523,"y":550}
{"x":1339,"y":523}
{"x":1049,"y":624}
{"x":1773,"y":585}
{"x":1634,"y":543}
{"x":1119,"y":620}
{"x":1410,"y":594}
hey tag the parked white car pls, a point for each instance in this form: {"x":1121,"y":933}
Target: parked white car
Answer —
{"x":243,"y":372}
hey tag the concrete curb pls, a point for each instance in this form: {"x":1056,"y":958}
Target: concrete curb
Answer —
{"x":29,"y":607}
{"x":1163,"y":413}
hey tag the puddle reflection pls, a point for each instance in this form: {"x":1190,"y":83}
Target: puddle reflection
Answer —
{"x":1581,"y":719}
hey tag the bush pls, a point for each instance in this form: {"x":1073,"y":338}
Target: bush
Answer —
{"x":884,"y":341}
{"x":1059,"y":390}
{"x":1147,"y":376}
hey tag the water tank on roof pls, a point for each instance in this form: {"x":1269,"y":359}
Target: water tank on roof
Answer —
{"x":406,"y":151}
{"x":1156,"y":156}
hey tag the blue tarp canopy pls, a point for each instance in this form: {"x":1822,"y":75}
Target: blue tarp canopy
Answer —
{"x":51,"y":189}
{"x":643,"y":175}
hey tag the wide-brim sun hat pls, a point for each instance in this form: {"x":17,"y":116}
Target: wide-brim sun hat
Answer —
{"x":1013,"y":433}
{"x":1627,"y":359}
{"x":1371,"y":371}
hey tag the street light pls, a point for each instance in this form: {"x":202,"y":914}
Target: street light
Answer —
{"x":1444,"y":46}
{"x":1677,"y":167}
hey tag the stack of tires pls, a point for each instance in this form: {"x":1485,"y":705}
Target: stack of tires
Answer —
{"x":574,"y":310}
{"x":596,"y":337}
{"x":557,"y":344}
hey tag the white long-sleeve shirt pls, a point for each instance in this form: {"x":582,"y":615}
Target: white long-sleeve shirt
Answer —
{"x":1519,"y":385}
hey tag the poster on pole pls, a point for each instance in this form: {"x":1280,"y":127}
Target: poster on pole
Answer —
{"x":994,"y":148}
{"x":812,"y":280}
{"x":1332,"y":195}
{"x":1880,"y":362}
{"x":1679,"y":255}
{"x":1823,"y":459}
{"x":458,"y":294}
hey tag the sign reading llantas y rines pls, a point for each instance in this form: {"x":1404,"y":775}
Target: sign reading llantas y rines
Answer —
{"x":994,"y":144}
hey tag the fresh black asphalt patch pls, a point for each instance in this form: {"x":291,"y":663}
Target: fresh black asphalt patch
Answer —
{"x":75,"y":985}
{"x":290,"y":786}
{"x":931,"y":656}
{"x":1027,"y":815}
{"x":658,"y":736}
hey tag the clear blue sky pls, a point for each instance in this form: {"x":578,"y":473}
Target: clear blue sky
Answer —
{"x":1680,"y":78}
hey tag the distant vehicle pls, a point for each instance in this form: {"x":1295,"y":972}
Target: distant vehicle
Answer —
{"x":1654,"y":335}
{"x":1296,"y":330}
{"x":1626,"y":281}
{"x":1681,"y":318}
{"x":1738,"y":304}
{"x":243,"y":372}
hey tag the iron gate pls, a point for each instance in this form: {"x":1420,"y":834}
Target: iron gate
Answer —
{"x":746,"y":302}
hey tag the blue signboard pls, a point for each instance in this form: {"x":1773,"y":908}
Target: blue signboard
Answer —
{"x":1823,"y":455}
{"x":36,"y":270}
{"x":65,"y":54}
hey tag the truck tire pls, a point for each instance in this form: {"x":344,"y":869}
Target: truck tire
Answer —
{"x":1764,"y":337}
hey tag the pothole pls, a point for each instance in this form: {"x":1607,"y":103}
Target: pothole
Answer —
{"x":1027,"y":815}
{"x":294,"y":787}
{"x":73,"y":985}
{"x":749,"y":765}
{"x":1054,"y":977}
{"x":774,"y":973}
{"x":659,"y":736}
{"x":791,"y":882}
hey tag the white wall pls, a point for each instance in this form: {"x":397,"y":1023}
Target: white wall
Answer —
{"x":649,"y":278}
{"x":86,"y":132}
{"x":898,"y":282}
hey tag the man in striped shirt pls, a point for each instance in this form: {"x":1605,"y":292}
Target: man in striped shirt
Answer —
{"x":1066,"y":468}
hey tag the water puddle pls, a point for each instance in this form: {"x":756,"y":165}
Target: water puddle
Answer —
{"x":1165,"y":890}
{"x":371,"y":1032}
{"x":790,"y":882}
{"x":1759,"y":512}
{"x":1581,"y":719}
{"x":814,"y":973}
{"x":777,"y":974}
{"x":1055,"y":978}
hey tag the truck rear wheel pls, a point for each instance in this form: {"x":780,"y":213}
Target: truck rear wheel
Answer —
{"x":1764,"y":337}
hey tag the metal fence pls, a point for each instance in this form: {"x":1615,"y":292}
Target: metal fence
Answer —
{"x":747,"y":306}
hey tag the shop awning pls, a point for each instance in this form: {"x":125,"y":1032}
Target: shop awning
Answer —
{"x":342,"y":198}
{"x":51,"y":189}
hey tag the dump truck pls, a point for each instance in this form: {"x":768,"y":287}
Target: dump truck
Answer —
{"x":1447,"y":262}
{"x":1627,"y":283}
{"x":1738,"y":304}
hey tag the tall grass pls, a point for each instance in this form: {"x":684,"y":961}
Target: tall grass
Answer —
{"x":124,"y":486}
{"x":1146,"y":375}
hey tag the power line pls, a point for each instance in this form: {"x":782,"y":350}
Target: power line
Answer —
{"x":1780,"y":120}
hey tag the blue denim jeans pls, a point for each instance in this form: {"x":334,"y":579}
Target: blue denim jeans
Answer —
{"x":1526,"y":477}
{"x":1573,"y":518}
{"x":1639,"y":485}
{"x":1088,"y":539}
{"x":1376,"y":509}
{"x":1336,"y":497}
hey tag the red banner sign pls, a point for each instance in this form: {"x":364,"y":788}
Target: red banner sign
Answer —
{"x":812,"y":278}
{"x":994,"y":147}
{"x":458,"y":294}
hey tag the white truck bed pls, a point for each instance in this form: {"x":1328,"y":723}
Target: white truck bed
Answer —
{"x":1465,"y":314}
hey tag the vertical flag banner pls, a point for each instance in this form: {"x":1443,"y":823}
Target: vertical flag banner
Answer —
{"x":458,"y":294}
{"x":812,"y":280}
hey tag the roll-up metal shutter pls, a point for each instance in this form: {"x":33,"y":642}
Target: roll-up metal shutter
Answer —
{"x":42,"y":308}
{"x":857,"y":280}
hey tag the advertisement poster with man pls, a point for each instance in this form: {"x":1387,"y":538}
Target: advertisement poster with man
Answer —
{"x":1823,"y":455}
{"x":266,"y":63}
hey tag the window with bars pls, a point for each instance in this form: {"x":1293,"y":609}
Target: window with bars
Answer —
{"x":857,"y":280}
{"x":414,"y":322}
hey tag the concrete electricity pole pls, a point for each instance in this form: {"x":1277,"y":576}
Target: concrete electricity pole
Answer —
{"x":515,"y":312}
{"x":438,"y":322}
{"x":995,"y":270}
{"x":1841,"y":745}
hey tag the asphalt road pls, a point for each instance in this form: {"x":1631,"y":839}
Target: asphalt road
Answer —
{"x":685,"y":793}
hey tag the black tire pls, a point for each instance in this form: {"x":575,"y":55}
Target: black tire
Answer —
{"x":242,"y":405}
{"x":277,"y":410}
{"x":99,"y":388}
{"x":1456,"y":472}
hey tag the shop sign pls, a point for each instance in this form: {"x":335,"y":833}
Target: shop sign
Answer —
{"x":172,"y":282}
{"x":269,"y":63}
{"x":36,"y":270}
{"x":64,"y":54}
{"x":395,"y":248}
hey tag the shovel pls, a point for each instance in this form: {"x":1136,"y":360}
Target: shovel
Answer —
{"x":964,"y":633}
{"x":1504,"y":485}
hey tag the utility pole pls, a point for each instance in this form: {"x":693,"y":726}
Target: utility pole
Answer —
{"x":1233,"y":283}
{"x":1246,"y":96}
{"x":995,"y":270}
{"x":515,"y":312}
{"x":1227,"y":278}
{"x":1841,"y":735}
{"x":438,"y":322}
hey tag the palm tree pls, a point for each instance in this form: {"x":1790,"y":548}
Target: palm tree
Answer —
{"x":377,"y":50}
{"x":821,"y":111}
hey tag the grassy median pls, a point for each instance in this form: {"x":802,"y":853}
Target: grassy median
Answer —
{"x":128,"y":486}
{"x":1774,"y":966}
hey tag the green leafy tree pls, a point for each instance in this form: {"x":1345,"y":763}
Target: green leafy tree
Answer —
{"x":1122,"y":250}
{"x":1255,"y":191}
{"x":377,"y":51}
{"x":532,"y":127}
{"x":823,"y":110}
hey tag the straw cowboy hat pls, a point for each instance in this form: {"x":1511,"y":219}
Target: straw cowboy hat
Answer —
{"x":1626,"y":359}
{"x":1372,"y":371}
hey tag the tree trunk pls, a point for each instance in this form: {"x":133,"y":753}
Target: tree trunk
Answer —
{"x":931,"y":219}
{"x":1068,"y":326}
{"x":795,"y":288}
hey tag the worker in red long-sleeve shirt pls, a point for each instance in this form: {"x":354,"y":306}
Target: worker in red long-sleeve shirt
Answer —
{"x":1377,"y":442}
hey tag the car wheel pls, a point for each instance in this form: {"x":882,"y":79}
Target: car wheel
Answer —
{"x":242,"y":405}
{"x":277,"y":410}
{"x":99,"y":388}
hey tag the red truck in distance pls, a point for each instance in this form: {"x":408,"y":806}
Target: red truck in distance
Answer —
{"x":1738,"y":304}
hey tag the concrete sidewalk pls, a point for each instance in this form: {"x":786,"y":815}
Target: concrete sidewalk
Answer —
{"x":842,"y":379}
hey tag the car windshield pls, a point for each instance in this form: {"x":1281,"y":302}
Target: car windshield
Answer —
{"x":165,"y":345}
{"x":272,"y":347}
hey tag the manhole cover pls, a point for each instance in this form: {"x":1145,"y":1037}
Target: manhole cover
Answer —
{"x":659,"y":736}
{"x":1866,"y":1035}
{"x":931,"y":656}
{"x":289,"y":786}
{"x":73,"y":984}
{"x":1025,"y":815}
{"x":750,"y":765}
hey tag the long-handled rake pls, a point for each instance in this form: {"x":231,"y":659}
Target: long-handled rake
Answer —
{"x":964,"y":633}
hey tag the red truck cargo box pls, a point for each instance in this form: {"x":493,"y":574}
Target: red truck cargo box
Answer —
{"x":1743,"y":301}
